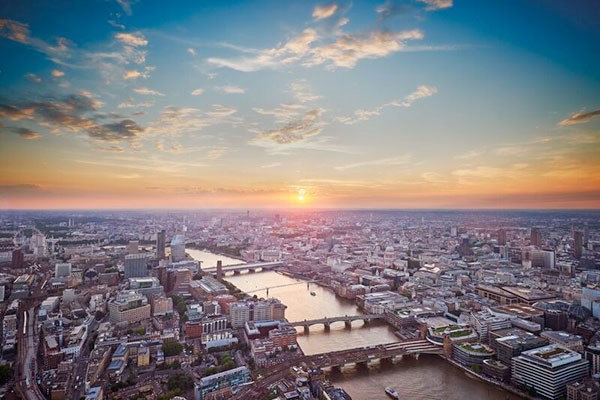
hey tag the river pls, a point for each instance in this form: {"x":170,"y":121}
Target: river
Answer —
{"x":210,"y":259}
{"x":429,"y":377}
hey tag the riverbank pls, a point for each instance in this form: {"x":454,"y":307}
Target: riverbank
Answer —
{"x":484,"y":378}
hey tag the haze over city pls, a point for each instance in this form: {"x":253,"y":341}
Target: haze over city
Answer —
{"x":374,"y":104}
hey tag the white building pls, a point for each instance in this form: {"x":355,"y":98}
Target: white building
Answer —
{"x":548,"y":369}
{"x":178,"y":248}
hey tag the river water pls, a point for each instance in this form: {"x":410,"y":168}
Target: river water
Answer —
{"x":429,"y":377}
{"x":210,"y":259}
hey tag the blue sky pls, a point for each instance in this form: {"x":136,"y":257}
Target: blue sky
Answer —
{"x":416,"y":103}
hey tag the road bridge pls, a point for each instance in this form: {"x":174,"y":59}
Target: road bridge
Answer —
{"x":326,"y":322}
{"x":338,"y":359}
{"x":251,"y":267}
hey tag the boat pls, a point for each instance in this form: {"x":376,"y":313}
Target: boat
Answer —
{"x":313,"y":294}
{"x":391,"y":392}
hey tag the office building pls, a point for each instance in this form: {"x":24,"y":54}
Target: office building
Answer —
{"x":263,"y":310}
{"x":584,"y":389}
{"x":484,"y":321}
{"x":178,"y":248}
{"x":148,"y":286}
{"x":162,"y":305}
{"x":502,"y":237}
{"x":129,"y":306}
{"x":536,"y":237}
{"x":578,"y":244}
{"x":133,"y":247}
{"x":570,"y":341}
{"x":548,"y":370}
{"x":135,"y":266}
{"x":62,"y":270}
{"x":17,"y":259}
{"x":161,"y":242}
{"x":509,"y":343}
{"x":221,"y":384}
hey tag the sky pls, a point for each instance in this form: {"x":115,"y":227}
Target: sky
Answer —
{"x":462,"y":104}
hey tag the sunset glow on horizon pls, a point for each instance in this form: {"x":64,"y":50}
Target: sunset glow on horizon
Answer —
{"x":273,"y":104}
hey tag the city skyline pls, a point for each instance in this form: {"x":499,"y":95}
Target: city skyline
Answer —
{"x":379,"y":104}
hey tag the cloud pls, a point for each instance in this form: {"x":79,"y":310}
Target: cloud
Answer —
{"x":192,"y":51}
{"x":126,"y":5}
{"x":116,"y":24}
{"x":14,"y":30}
{"x":323,"y":12}
{"x":147,"y":92}
{"x":25,"y":133}
{"x":302,"y":92}
{"x":580,"y":117}
{"x":134,"y":39}
{"x":232,"y":89}
{"x":34,"y":78}
{"x":433,"y":5}
{"x":57,"y":73}
{"x":131,"y":104}
{"x":469,"y":155}
{"x":295,"y":131}
{"x":422,"y":92}
{"x":390,"y":8}
{"x":73,"y":113}
{"x":176,"y":121}
{"x":117,"y":131}
{"x":20,"y":188}
{"x":19,"y":32}
{"x":400,"y":160}
{"x":272,"y":165}
{"x":332,"y":48}
{"x":197,"y":92}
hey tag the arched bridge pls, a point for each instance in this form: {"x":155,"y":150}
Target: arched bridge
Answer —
{"x":338,"y":359}
{"x":251,"y":267}
{"x":326,"y":322}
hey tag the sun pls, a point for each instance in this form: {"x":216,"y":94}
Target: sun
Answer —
{"x":301,"y":195}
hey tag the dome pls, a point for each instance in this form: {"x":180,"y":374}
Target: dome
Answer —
{"x":579,"y":312}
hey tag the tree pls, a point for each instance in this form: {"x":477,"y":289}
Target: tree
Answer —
{"x":172,"y":348}
{"x":5,"y":373}
{"x":180,"y":382}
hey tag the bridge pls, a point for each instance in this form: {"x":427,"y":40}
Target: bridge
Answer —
{"x":238,"y":268}
{"x":362,"y":356}
{"x":326,"y":322}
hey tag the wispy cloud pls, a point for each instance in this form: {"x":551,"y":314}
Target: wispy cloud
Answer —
{"x":25,"y":133}
{"x":422,"y":92}
{"x":400,"y":160}
{"x":176,"y":121}
{"x":147,"y":91}
{"x":126,"y":5}
{"x":56,"y":73}
{"x":333,"y":48}
{"x":294,"y":131}
{"x":19,"y":32}
{"x":230,"y":89}
{"x":325,"y":11}
{"x":434,"y":5}
{"x":580,"y":117}
{"x":272,"y":165}
{"x":135,"y":39}
{"x":197,"y":92}
{"x":34,"y":78}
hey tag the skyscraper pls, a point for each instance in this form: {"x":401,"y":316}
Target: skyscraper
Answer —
{"x":133,"y":247}
{"x":135,"y":266}
{"x":536,"y":237}
{"x":161,"y":240}
{"x":62,"y":270}
{"x":17,"y":258}
{"x":178,"y":248}
{"x":502,"y":237}
{"x":578,"y":247}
